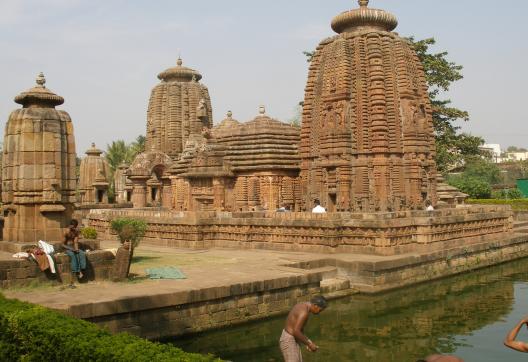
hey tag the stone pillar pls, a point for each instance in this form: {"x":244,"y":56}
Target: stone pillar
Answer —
{"x":218,"y":194}
{"x":139,"y":195}
{"x":38,"y":168}
{"x":166,"y":194}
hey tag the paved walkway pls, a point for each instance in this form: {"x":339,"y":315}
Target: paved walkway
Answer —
{"x":203,"y":269}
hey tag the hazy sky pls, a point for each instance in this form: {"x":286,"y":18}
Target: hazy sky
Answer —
{"x":103,"y":56}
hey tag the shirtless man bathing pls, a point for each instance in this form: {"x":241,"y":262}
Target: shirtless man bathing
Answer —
{"x":292,"y":336}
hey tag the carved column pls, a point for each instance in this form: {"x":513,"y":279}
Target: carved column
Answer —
{"x":139,"y":194}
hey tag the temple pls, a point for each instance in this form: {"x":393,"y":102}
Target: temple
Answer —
{"x":94,"y":178}
{"x":367,"y":141}
{"x":365,"y":150}
{"x":38,"y":167}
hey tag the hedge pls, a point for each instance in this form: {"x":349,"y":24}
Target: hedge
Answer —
{"x":516,"y":204}
{"x":33,"y":333}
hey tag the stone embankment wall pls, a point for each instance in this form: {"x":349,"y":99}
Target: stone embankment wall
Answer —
{"x":368,"y":233}
{"x":191,"y":311}
{"x":21,"y":272}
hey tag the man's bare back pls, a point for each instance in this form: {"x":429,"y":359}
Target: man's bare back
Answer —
{"x":293,"y":334}
{"x":296,"y":321}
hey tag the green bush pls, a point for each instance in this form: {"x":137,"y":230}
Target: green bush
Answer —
{"x":131,"y":230}
{"x":475,"y":187}
{"x":33,"y":333}
{"x":89,"y":233}
{"x":506,"y":194}
{"x":517,"y":204}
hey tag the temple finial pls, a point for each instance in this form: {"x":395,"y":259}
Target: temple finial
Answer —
{"x":41,"y":80}
{"x":262,"y":110}
{"x":179,"y":62}
{"x":363,"y":3}
{"x":93,"y":144}
{"x":229,"y":114}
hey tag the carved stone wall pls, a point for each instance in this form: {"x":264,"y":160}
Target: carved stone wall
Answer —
{"x":367,"y":141}
{"x":173,"y":107}
{"x":38,"y":168}
{"x":94,"y":177}
{"x":367,"y":233}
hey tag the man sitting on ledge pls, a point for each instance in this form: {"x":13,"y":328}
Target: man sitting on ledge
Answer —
{"x":77,"y":256}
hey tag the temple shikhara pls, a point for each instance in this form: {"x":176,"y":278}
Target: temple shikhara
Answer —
{"x":365,"y":150}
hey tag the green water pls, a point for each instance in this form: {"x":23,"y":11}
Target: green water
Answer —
{"x":466,"y":315}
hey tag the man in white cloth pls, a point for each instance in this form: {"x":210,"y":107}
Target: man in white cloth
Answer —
{"x":292,"y":335}
{"x":318,"y":209}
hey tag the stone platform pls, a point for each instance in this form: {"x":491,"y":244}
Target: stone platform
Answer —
{"x":226,"y":287}
{"x":390,"y":233}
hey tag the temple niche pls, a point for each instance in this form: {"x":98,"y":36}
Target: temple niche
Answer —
{"x":94,"y":176}
{"x":367,"y":141}
{"x":38,"y":168}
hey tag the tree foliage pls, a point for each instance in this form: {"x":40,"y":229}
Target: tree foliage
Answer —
{"x":453,"y":148}
{"x":119,"y":152}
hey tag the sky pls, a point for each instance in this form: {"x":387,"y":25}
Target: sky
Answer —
{"x":103,"y":56}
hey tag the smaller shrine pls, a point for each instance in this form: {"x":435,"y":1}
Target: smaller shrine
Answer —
{"x":38,"y":167}
{"x":94,"y":176}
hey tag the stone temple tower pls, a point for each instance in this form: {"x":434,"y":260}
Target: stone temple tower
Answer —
{"x":94,"y":176}
{"x":38,"y":168}
{"x":172,"y":111}
{"x":367,"y":140}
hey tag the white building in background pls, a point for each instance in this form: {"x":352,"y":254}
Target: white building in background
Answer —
{"x":516,"y":156}
{"x":494,"y":149}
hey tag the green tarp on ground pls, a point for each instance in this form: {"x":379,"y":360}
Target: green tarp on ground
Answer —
{"x":165,"y":273}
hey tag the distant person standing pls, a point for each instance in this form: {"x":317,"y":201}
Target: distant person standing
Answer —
{"x":292,"y":336}
{"x":318,"y":209}
{"x":510,"y":338}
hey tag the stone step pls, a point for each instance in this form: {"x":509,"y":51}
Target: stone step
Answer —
{"x":334,"y":284}
{"x":520,"y":224}
{"x":328,"y":272}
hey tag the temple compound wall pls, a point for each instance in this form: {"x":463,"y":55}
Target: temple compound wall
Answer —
{"x":38,"y":168}
{"x":368,"y":233}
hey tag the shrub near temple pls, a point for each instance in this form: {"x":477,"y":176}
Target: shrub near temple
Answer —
{"x":129,"y":230}
{"x":89,"y":233}
{"x":33,"y":333}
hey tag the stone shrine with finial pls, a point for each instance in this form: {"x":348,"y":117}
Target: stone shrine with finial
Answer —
{"x":94,"y":178}
{"x":38,"y":168}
